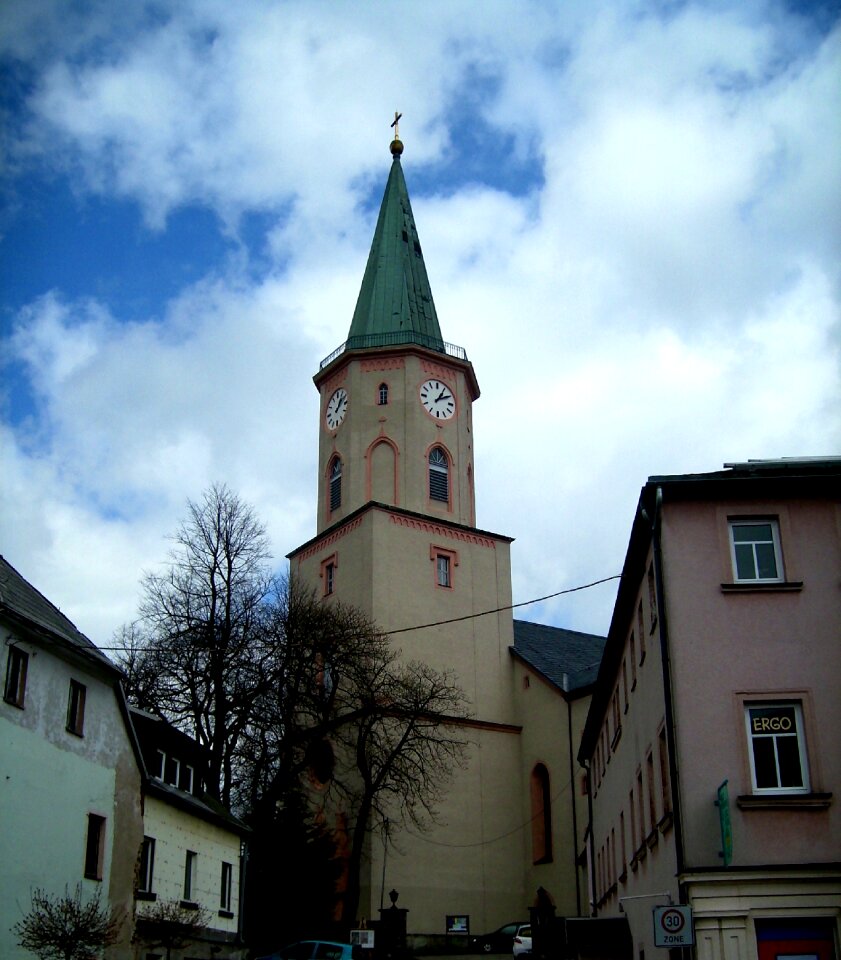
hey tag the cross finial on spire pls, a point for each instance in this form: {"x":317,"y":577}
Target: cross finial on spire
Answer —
{"x":396,"y":143}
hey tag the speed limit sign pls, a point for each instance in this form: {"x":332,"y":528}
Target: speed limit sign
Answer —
{"x":673,"y":927}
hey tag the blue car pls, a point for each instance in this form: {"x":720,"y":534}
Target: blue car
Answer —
{"x":313,"y":950}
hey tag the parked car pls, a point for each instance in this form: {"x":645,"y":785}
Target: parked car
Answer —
{"x":498,"y":941}
{"x":313,"y":950}
{"x":522,"y":941}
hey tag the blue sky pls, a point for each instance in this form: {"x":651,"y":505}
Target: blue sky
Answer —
{"x":630,"y":215}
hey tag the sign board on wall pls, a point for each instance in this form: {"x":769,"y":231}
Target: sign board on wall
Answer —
{"x":673,"y":927}
{"x":362,"y":938}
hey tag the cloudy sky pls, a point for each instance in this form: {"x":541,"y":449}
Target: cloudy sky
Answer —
{"x":630,"y":216}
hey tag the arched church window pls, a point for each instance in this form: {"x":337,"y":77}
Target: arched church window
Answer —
{"x":541,"y":815}
{"x":382,"y":394}
{"x":439,"y":475}
{"x":336,"y":483}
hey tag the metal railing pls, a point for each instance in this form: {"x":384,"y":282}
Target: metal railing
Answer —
{"x":394,"y":339}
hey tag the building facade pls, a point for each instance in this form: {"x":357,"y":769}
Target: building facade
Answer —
{"x":397,"y":538}
{"x":70,"y":770}
{"x":193,"y":848}
{"x":712,"y":737}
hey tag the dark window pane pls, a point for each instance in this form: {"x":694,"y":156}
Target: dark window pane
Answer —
{"x":766,"y":561}
{"x":745,"y":567}
{"x":171,"y":771}
{"x":789,"y":757}
{"x":763,"y":762}
{"x":751,"y":532}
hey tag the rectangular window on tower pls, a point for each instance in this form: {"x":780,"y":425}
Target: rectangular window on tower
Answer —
{"x":328,"y":574}
{"x":445,"y":562}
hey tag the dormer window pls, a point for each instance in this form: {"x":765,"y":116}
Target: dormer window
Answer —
{"x":173,"y":771}
{"x":187,"y":778}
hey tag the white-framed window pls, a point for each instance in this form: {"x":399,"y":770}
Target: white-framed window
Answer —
{"x":778,"y":762}
{"x":17,"y":663}
{"x":755,"y":551}
{"x":173,"y":771}
{"x":76,"y":708}
{"x":442,"y":570}
{"x":190,"y":859}
{"x":329,"y":567}
{"x":225,"y":887}
{"x":147,"y":865}
{"x":445,"y":563}
{"x":187,"y":778}
{"x":382,"y":394}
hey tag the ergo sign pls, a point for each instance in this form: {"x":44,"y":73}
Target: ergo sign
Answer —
{"x":673,"y":926}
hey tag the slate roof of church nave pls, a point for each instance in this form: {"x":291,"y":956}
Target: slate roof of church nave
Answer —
{"x":20,"y":599}
{"x":567,"y":658}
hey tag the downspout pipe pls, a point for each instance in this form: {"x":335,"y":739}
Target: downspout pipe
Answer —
{"x":591,"y":847}
{"x":674,"y":774}
{"x":574,"y":804}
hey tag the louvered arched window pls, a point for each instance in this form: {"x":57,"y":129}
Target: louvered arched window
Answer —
{"x":439,"y":475}
{"x":335,"y":484}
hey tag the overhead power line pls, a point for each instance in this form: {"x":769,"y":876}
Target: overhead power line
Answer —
{"x":510,"y":606}
{"x":441,"y":623}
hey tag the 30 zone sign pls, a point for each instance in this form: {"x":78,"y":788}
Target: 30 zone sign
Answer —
{"x":673,"y":927}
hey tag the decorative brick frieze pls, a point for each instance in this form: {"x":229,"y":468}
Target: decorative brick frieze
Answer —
{"x":438,"y":530}
{"x":432,"y":369}
{"x":338,"y":378}
{"x":383,"y":363}
{"x":329,"y":541}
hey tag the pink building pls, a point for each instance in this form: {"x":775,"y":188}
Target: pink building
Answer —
{"x":712,"y":740}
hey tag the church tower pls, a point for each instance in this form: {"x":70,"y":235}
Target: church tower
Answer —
{"x":397,"y":538}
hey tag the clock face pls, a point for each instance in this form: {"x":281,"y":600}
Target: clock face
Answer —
{"x":437,"y":399}
{"x":336,"y":408}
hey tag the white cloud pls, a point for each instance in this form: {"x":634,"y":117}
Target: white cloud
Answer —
{"x":665,"y":299}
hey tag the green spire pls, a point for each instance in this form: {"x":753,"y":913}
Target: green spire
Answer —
{"x":395,"y":302}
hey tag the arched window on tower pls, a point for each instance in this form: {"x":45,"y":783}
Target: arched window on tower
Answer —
{"x":335,"y":483}
{"x":439,"y":475}
{"x":382,"y":394}
{"x":541,"y":815}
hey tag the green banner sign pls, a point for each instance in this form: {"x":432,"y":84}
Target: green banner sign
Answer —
{"x":723,"y":804}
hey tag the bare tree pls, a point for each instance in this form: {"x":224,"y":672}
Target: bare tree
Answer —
{"x":65,"y":928}
{"x":169,"y":925}
{"x":292,"y":697}
{"x":399,"y":756}
{"x":195,"y":656}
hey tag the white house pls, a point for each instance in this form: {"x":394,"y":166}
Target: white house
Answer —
{"x":192,"y":846}
{"x":69,"y":766}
